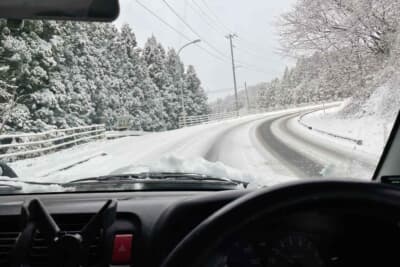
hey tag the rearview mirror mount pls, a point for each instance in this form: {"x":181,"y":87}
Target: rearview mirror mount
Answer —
{"x":78,"y":10}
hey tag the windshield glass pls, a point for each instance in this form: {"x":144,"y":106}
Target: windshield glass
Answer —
{"x":198,"y":94}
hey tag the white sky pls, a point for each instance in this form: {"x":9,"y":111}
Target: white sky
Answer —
{"x":252,"y":20}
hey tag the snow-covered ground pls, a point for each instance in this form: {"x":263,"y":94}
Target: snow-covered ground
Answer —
{"x":239,"y":156}
{"x":178,"y":150}
{"x":339,"y":158}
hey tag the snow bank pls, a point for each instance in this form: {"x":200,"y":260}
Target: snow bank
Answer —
{"x":372,"y":128}
{"x":384,"y":103}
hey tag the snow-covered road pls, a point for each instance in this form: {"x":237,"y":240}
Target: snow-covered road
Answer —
{"x":310,"y":154}
{"x":269,"y":148}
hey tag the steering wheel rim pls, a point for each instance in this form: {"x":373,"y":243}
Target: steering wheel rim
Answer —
{"x":212,"y":231}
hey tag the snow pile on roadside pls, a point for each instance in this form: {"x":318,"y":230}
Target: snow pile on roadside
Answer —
{"x":34,"y":168}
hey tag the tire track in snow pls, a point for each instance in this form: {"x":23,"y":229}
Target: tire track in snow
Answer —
{"x":298,"y":163}
{"x":215,"y":151}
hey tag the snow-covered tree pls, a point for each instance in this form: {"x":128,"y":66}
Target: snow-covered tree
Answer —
{"x":196,"y":99}
{"x":64,"y":74}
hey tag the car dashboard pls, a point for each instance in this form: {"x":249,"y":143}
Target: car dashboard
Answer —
{"x":148,"y":225}
{"x":313,"y":239}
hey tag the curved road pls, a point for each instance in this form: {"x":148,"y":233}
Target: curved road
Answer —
{"x":298,"y":152}
{"x":270,"y":147}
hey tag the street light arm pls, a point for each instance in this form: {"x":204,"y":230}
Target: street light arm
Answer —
{"x":186,"y":45}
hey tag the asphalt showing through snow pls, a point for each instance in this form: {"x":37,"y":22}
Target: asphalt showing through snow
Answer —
{"x":298,"y":163}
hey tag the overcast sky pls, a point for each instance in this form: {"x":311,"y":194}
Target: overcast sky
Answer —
{"x":252,"y":20}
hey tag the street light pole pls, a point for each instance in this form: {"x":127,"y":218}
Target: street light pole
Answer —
{"x":179,"y":52}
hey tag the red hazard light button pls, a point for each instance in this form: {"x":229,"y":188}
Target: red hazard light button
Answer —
{"x":122,"y":249}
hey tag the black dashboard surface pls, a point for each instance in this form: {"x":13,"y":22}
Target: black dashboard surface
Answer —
{"x":159,"y":220}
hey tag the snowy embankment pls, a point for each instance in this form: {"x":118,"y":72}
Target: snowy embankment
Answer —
{"x":370,"y":128}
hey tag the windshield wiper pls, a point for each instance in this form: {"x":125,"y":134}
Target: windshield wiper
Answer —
{"x":193,"y":176}
{"x":158,"y":176}
{"x":9,"y":188}
{"x":107,"y":178}
{"x":11,"y":185}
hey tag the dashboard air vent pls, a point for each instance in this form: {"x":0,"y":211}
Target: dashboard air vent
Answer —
{"x":71,"y":223}
{"x":9,"y":233}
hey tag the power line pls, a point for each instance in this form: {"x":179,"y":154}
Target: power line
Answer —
{"x":193,"y":30}
{"x":177,"y":31}
{"x":162,"y":20}
{"x":209,"y":20}
{"x":216,"y":18}
{"x":250,"y":67}
{"x":205,"y":15}
{"x":250,"y":52}
{"x":206,"y":18}
{"x":186,"y":37}
{"x":251,"y":43}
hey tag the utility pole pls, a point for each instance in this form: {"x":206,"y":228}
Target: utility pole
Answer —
{"x":230,"y":37}
{"x":247,"y":96}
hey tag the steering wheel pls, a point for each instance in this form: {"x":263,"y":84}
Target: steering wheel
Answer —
{"x":195,"y":248}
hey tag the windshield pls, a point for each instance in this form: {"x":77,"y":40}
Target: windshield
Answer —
{"x":198,"y":94}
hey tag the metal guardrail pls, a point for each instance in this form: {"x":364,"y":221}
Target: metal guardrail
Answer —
{"x":185,"y":121}
{"x":311,"y":128}
{"x":28,"y":145}
{"x":121,"y":134}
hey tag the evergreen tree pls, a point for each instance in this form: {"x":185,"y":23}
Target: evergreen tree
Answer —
{"x":65,"y":74}
{"x":176,"y":72}
{"x":196,"y":98}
